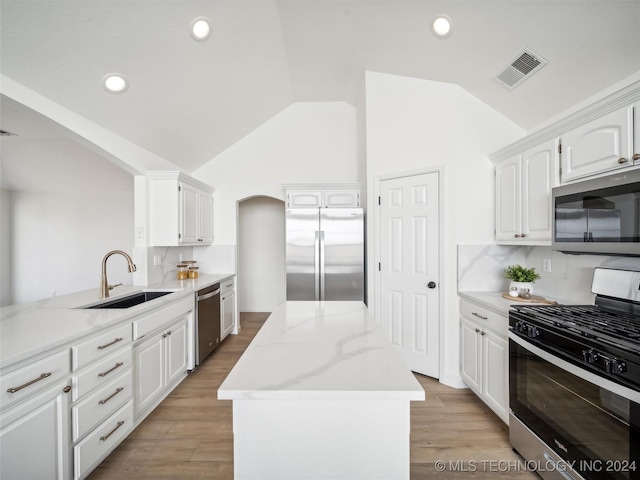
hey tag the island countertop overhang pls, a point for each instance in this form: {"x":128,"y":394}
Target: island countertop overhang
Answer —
{"x":320,"y":351}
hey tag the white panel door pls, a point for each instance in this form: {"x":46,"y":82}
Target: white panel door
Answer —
{"x":409,"y":269}
{"x":188,"y":214}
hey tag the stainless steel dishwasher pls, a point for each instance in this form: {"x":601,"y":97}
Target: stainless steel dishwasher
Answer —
{"x":207,"y":321}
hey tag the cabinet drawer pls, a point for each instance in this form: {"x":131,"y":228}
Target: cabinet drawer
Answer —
{"x":485,"y":317}
{"x":26,"y":380}
{"x":99,"y":405}
{"x":102,"y":440}
{"x":161,"y":317}
{"x":100,"y":345}
{"x":101,"y":372}
{"x":227,"y":285}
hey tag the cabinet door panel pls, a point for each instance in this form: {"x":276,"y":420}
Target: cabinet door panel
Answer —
{"x":538,"y":178}
{"x":495,"y":373}
{"x":507,"y":215}
{"x":176,"y":351}
{"x":206,"y":217}
{"x":35,"y":437}
{"x":228,"y":313}
{"x":149,"y":371}
{"x":471,"y":367}
{"x":597,"y":146}
{"x":189,"y":214}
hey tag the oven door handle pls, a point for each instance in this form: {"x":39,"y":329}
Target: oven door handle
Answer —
{"x":579,"y":372}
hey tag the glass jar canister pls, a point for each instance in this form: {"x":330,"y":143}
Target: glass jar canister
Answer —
{"x":193,"y":272}
{"x":183,"y":271}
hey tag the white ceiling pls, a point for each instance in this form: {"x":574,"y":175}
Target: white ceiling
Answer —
{"x":188,"y":101}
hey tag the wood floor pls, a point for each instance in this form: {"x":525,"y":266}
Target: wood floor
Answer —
{"x":189,"y":435}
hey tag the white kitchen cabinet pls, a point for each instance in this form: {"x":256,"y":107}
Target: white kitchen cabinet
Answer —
{"x":179,"y":210}
{"x":602,"y":145}
{"x":523,"y":211}
{"x":227,"y":307}
{"x":485,"y":356}
{"x":160,"y":361}
{"x":323,"y":196}
{"x":35,"y":436}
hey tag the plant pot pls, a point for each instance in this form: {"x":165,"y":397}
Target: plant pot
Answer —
{"x":520,"y":286}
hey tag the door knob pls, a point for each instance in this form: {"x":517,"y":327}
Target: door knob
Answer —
{"x":431,"y":284}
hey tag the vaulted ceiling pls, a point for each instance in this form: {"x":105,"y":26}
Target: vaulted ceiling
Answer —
{"x":190,"y":100}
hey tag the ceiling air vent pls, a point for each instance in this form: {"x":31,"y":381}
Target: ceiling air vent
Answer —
{"x":520,"y":68}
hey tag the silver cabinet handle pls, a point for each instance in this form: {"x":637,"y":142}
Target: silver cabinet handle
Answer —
{"x":118,"y":390}
{"x":120,"y":423}
{"x":636,"y":156}
{"x":478,"y":315}
{"x":104,"y":374}
{"x":477,"y":330}
{"x":622,"y":160}
{"x":41,"y":377}
{"x":482,"y":332}
{"x":102,"y":347}
{"x":230,"y":285}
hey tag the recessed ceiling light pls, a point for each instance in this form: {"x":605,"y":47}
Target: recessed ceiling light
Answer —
{"x":200,"y":29}
{"x":114,"y":83}
{"x":442,"y":26}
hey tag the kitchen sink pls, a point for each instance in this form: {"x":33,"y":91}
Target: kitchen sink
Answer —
{"x":131,"y":300}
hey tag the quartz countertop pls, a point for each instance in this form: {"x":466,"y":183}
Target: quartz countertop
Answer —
{"x":320,"y":350}
{"x":36,"y":327}
{"x":495,"y":302}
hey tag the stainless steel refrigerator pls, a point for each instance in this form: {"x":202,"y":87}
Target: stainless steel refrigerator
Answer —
{"x":325,"y":253}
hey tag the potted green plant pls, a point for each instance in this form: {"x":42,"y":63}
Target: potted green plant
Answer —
{"x":521,"y":278}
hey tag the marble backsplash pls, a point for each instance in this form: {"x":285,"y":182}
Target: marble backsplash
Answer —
{"x":481,"y":269}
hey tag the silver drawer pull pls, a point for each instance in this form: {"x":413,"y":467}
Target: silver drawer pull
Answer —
{"x":41,"y":377}
{"x":118,"y":390}
{"x":120,"y":423}
{"x":101,"y":347}
{"x":230,"y":285}
{"x":104,"y":374}
{"x":478,"y":315}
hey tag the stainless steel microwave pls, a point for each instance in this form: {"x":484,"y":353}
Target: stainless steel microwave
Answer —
{"x":599,"y":216}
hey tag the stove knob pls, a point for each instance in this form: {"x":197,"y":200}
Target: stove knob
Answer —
{"x":615,"y":366}
{"x":521,"y":327}
{"x":533,"y":332}
{"x":590,"y":356}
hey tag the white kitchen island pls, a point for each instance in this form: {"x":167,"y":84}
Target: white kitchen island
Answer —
{"x":321,"y":394}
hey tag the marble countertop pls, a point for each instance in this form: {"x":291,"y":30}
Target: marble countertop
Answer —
{"x":320,"y":350}
{"x":36,"y":327}
{"x":495,"y":302}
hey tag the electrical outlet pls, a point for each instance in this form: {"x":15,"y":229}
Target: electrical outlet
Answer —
{"x":546,"y":265}
{"x":53,"y":293}
{"x":157,"y":260}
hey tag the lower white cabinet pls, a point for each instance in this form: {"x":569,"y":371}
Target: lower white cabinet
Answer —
{"x":35,"y":436}
{"x":484,"y":359}
{"x":159,"y":362}
{"x":227,"y":307}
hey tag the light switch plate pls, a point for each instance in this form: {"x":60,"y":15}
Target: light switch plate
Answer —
{"x":546,"y":265}
{"x":157,"y":260}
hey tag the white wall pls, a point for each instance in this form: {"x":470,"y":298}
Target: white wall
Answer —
{"x":261,"y":257}
{"x":60,"y":238}
{"x":417,"y":124}
{"x":305,"y":143}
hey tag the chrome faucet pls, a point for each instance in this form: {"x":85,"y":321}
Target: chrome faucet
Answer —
{"x":104,"y":285}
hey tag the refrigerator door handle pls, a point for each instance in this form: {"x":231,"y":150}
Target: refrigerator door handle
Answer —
{"x":321,"y":272}
{"x":316,"y":262}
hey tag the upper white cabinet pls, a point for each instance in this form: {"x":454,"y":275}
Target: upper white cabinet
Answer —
{"x":523,"y":196}
{"x":599,"y":146}
{"x":322,"y":196}
{"x":178,"y":210}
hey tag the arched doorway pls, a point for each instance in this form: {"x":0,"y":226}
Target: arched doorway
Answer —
{"x":261,"y":264}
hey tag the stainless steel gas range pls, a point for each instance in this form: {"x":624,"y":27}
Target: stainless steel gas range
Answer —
{"x":574,"y":382}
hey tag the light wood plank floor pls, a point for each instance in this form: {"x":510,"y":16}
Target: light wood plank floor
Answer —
{"x":189,"y":435}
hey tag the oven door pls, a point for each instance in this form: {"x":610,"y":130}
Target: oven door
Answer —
{"x":590,"y":422}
